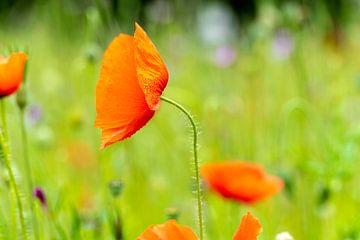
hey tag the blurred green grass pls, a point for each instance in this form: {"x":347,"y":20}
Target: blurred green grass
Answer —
{"x":298,"y":117}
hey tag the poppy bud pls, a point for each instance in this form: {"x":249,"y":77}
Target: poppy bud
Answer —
{"x":324,"y":195}
{"x":172,"y":213}
{"x":115,"y":187}
{"x":40,"y":195}
{"x":21,"y":98}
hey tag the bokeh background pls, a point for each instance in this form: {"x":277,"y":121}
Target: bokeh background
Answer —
{"x":271,"y":82}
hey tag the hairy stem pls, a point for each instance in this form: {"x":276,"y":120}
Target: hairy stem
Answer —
{"x":28,"y":171}
{"x":7,"y":160}
{"x":3,"y":119}
{"x":196,"y":162}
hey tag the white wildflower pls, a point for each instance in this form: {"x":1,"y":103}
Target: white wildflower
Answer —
{"x":284,"y":236}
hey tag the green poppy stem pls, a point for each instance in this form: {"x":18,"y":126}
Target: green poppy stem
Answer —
{"x":3,"y":118}
{"x":28,"y":170}
{"x":5,"y":152}
{"x":26,"y":151}
{"x":196,"y":162}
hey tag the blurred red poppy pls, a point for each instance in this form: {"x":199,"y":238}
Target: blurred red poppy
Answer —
{"x":11,"y":73}
{"x":248,"y":229}
{"x":132,"y":79}
{"x":240,"y":181}
{"x":168,"y":231}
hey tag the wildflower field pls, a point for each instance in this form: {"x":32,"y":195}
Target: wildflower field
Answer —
{"x":179,"y":120}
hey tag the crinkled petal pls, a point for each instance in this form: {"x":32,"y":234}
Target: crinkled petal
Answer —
{"x":248,"y":229}
{"x":150,"y":68}
{"x":120,"y":103}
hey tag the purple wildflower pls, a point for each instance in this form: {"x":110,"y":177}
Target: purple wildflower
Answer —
{"x":225,"y":56}
{"x":40,"y":195}
{"x":34,"y":114}
{"x":282,"y":45}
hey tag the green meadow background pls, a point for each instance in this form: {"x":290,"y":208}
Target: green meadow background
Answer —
{"x":271,"y":82}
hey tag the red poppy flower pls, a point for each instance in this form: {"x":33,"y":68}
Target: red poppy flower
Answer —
{"x":132,"y":79}
{"x":241,"y":181}
{"x":11,"y":73}
{"x":168,"y":231}
{"x":248,"y":229}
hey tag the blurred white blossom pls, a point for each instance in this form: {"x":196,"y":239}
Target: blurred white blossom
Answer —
{"x":160,"y":11}
{"x":216,"y":24}
{"x":284,"y":236}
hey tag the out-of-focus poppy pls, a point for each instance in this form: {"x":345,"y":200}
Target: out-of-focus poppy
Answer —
{"x":169,"y":230}
{"x":11,"y":73}
{"x":132,"y":79}
{"x":248,"y":229}
{"x":80,"y":156}
{"x":241,"y":181}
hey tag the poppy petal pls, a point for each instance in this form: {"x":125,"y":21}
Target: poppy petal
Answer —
{"x":120,"y":103}
{"x":150,"y":68}
{"x":168,"y":231}
{"x":241,"y":181}
{"x":11,"y":72}
{"x":248,"y":229}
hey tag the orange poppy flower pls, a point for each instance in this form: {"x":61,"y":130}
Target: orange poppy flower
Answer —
{"x":168,"y":231}
{"x":248,"y":229}
{"x":132,"y":79}
{"x":240,"y":181}
{"x":11,"y":73}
